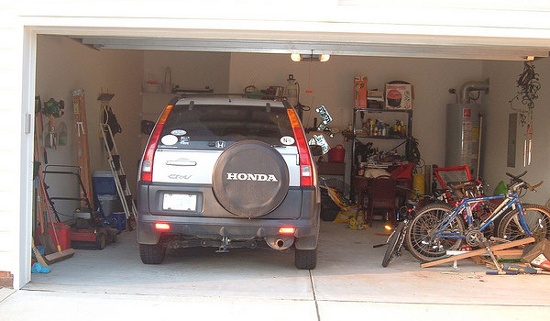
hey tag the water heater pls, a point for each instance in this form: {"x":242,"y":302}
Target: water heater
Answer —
{"x":463,"y":136}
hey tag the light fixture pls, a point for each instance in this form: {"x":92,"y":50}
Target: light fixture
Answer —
{"x":296,"y":57}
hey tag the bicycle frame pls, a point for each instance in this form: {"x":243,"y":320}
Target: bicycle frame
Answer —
{"x":509,"y":201}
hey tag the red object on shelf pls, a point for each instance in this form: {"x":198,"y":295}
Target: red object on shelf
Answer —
{"x":336,"y":154}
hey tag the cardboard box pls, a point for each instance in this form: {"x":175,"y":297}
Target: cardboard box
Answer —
{"x":399,"y":96}
{"x":360,"y":92}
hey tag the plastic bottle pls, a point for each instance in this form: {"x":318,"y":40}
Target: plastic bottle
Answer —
{"x":291,"y":90}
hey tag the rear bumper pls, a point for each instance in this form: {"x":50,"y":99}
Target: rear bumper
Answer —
{"x":216,"y":223}
{"x":306,"y":234}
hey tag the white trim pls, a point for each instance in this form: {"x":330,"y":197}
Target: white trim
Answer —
{"x":28,"y":79}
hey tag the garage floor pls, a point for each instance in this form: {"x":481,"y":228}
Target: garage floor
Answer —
{"x":349,"y":283}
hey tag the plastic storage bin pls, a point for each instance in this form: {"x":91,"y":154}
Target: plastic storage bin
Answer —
{"x":107,"y":203}
{"x":104,"y":183}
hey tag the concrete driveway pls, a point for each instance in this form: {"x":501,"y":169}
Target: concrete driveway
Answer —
{"x":349,"y":283}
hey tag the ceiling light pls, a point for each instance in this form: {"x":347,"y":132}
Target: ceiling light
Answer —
{"x":324,"y":58}
{"x":296,"y":57}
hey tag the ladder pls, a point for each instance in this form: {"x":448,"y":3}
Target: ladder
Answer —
{"x":115,"y":163}
{"x":83,"y":156}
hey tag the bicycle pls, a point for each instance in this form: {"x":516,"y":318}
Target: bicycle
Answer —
{"x":439,"y":228}
{"x":396,"y":240}
{"x":405,"y":213}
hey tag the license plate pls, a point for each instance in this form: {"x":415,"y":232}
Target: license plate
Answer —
{"x":179,"y":202}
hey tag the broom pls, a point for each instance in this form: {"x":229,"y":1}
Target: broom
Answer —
{"x":38,"y":256}
{"x":60,"y":254}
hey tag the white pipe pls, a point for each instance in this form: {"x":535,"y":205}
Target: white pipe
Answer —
{"x":472,"y":86}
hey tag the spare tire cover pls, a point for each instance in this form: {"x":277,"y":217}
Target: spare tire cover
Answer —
{"x":250,"y":179}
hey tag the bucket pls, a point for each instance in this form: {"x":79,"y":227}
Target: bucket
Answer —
{"x":336,"y":154}
{"x":107,"y":202}
{"x":120,"y":220}
{"x":419,"y":183}
{"x":62,"y":231}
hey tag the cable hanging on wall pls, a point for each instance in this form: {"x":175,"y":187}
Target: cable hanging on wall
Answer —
{"x":528,"y":84}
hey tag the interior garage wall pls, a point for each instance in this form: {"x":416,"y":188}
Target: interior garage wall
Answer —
{"x":64,"y":65}
{"x":332,"y":86}
{"x":188,"y":70}
{"x":503,"y":79}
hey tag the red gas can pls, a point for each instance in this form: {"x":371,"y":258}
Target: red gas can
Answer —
{"x":336,"y":154}
{"x":62,"y":231}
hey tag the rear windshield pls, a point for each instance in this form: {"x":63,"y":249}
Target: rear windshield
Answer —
{"x":204,"y":125}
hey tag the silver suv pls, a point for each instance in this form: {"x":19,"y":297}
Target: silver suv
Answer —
{"x":228,"y":172}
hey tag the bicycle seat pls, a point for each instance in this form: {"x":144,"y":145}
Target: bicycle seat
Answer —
{"x":463,"y":184}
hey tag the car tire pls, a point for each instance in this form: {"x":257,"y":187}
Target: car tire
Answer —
{"x":305,"y":259}
{"x":152,"y":253}
{"x":250,"y":198}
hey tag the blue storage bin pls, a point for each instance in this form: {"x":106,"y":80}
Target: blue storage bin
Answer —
{"x":120,"y":219}
{"x":104,"y":183}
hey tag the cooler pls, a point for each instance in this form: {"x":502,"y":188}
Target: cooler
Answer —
{"x":104,"y":183}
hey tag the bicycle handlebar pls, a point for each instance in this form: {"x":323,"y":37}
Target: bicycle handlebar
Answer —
{"x":520,"y":182}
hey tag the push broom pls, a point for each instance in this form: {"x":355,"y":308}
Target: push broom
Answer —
{"x":60,"y":254}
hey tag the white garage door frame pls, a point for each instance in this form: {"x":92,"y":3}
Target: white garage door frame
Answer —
{"x":251,"y":35}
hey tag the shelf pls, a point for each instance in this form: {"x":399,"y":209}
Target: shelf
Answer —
{"x":376,"y":110}
{"x":360,"y":133}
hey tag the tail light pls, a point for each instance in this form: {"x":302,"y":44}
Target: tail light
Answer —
{"x":287,"y":230}
{"x":149,"y":155}
{"x":307,"y":175}
{"x":162,"y":226}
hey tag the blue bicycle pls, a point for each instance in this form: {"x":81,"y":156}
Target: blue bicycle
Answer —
{"x":438,"y":228}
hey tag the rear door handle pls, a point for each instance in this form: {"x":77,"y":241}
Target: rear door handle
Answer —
{"x":181,"y":162}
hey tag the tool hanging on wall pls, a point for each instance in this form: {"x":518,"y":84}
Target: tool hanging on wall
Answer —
{"x":52,"y":109}
{"x":108,"y":118}
{"x":528,"y":84}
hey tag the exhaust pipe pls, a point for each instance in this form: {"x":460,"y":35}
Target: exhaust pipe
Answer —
{"x":279,"y":242}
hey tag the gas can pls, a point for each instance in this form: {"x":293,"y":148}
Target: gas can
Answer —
{"x":336,"y":154}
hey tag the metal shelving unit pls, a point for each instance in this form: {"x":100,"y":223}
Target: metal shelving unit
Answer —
{"x":360,"y":115}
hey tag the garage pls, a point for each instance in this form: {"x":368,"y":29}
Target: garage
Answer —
{"x":119,"y":56}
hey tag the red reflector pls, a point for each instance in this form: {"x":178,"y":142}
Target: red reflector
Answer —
{"x":149,"y":154}
{"x":307,"y":175}
{"x":287,"y":230}
{"x":162,"y":226}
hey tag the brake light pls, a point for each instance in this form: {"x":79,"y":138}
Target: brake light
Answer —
{"x":149,"y":154}
{"x":307,"y":175}
{"x":287,"y":230}
{"x":162,"y":226}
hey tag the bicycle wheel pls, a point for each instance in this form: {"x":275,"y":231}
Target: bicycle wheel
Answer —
{"x":537,"y":218}
{"x":393,"y":244}
{"x":421,"y":235}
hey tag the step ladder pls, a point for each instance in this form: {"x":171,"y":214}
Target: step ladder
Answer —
{"x":115,"y":163}
{"x":83,"y":155}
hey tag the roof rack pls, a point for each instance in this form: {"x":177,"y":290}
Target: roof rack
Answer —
{"x":186,"y":94}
